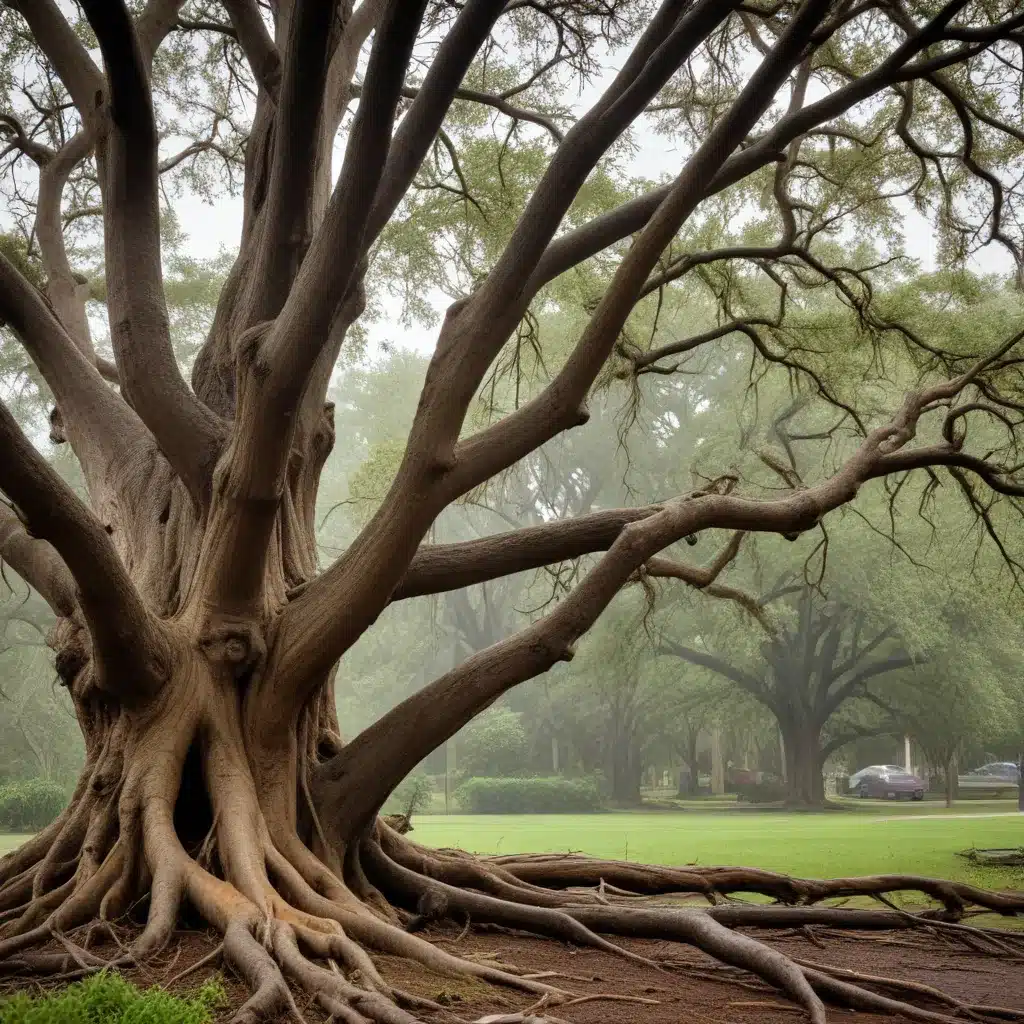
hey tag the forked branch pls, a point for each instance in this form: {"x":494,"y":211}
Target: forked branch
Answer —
{"x":560,"y":405}
{"x":37,"y":563}
{"x":256,"y":43}
{"x":188,"y":433}
{"x":279,"y":358}
{"x":425,"y":720}
{"x":436,"y":467}
{"x":102,"y":428}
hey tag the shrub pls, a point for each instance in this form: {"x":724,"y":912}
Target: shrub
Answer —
{"x":767,"y":792}
{"x":30,"y":805}
{"x":412,"y":796}
{"x":494,"y":744}
{"x":109,"y":998}
{"x":554,"y":795}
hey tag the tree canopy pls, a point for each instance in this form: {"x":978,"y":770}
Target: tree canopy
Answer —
{"x":387,"y":154}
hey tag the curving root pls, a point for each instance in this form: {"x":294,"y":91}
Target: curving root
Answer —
{"x":292,"y":923}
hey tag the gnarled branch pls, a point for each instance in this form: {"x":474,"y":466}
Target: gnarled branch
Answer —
{"x":189,"y":435}
{"x":131,"y":654}
{"x":37,"y":563}
{"x":437,"y":568}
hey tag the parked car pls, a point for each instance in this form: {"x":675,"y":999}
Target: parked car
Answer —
{"x":886,"y":782}
{"x":996,"y":777}
{"x":854,"y":780}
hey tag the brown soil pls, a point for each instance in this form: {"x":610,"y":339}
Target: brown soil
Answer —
{"x":694,"y":987}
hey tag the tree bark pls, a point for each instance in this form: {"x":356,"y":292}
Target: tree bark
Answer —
{"x":196,"y":636}
{"x":805,"y":784}
{"x":690,"y":756}
{"x":625,"y":770}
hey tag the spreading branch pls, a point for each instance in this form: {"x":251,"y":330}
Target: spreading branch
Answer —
{"x":259,"y":48}
{"x":437,"y":568}
{"x":425,"y":720}
{"x":131,"y":655}
{"x":104,"y":429}
{"x":435,"y":464}
{"x":352,"y":784}
{"x":37,"y":563}
{"x":189,"y":435}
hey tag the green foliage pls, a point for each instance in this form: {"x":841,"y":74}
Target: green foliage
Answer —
{"x":14,"y":249}
{"x":39,"y":735}
{"x":107,"y":998}
{"x":369,"y":484}
{"x":552,"y":795}
{"x":30,"y":805}
{"x":412,"y":796}
{"x":493,"y":745}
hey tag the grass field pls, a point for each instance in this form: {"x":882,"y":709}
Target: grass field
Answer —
{"x":868,"y":838}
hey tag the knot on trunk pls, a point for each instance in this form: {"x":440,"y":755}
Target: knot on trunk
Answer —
{"x":237,"y":646}
{"x":246,"y":347}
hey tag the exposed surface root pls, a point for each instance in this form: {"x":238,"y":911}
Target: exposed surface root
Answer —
{"x":290,"y":924}
{"x":573,"y":870}
{"x":912,"y":989}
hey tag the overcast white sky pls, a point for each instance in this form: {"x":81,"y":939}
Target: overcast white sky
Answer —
{"x":212,"y":227}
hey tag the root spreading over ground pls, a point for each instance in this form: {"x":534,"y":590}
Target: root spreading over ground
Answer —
{"x":301,"y":923}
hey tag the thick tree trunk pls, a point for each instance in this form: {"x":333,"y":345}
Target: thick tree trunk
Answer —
{"x":692,"y":777}
{"x":626,"y":771}
{"x":805,"y":784}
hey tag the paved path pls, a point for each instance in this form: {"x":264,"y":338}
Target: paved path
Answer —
{"x":931,"y":817}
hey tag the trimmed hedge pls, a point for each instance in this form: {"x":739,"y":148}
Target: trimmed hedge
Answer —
{"x":550,"y":795}
{"x":767,"y":792}
{"x":30,"y":805}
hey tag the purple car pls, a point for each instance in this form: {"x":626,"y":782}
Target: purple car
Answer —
{"x":887,"y":782}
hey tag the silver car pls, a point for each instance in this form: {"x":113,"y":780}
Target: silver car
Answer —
{"x":995,"y":778}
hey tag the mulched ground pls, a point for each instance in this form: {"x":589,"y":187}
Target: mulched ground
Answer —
{"x":695,"y":989}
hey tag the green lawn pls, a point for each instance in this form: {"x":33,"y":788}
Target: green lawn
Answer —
{"x":831,"y":844}
{"x":10,"y":841}
{"x":922,"y":838}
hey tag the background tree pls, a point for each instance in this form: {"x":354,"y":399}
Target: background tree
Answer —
{"x":959,"y":697}
{"x":197,"y":635}
{"x":806,"y":671}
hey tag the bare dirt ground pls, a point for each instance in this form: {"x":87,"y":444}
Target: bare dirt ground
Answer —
{"x":693,"y":987}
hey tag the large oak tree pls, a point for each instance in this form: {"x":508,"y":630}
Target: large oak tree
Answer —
{"x":198,"y":635}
